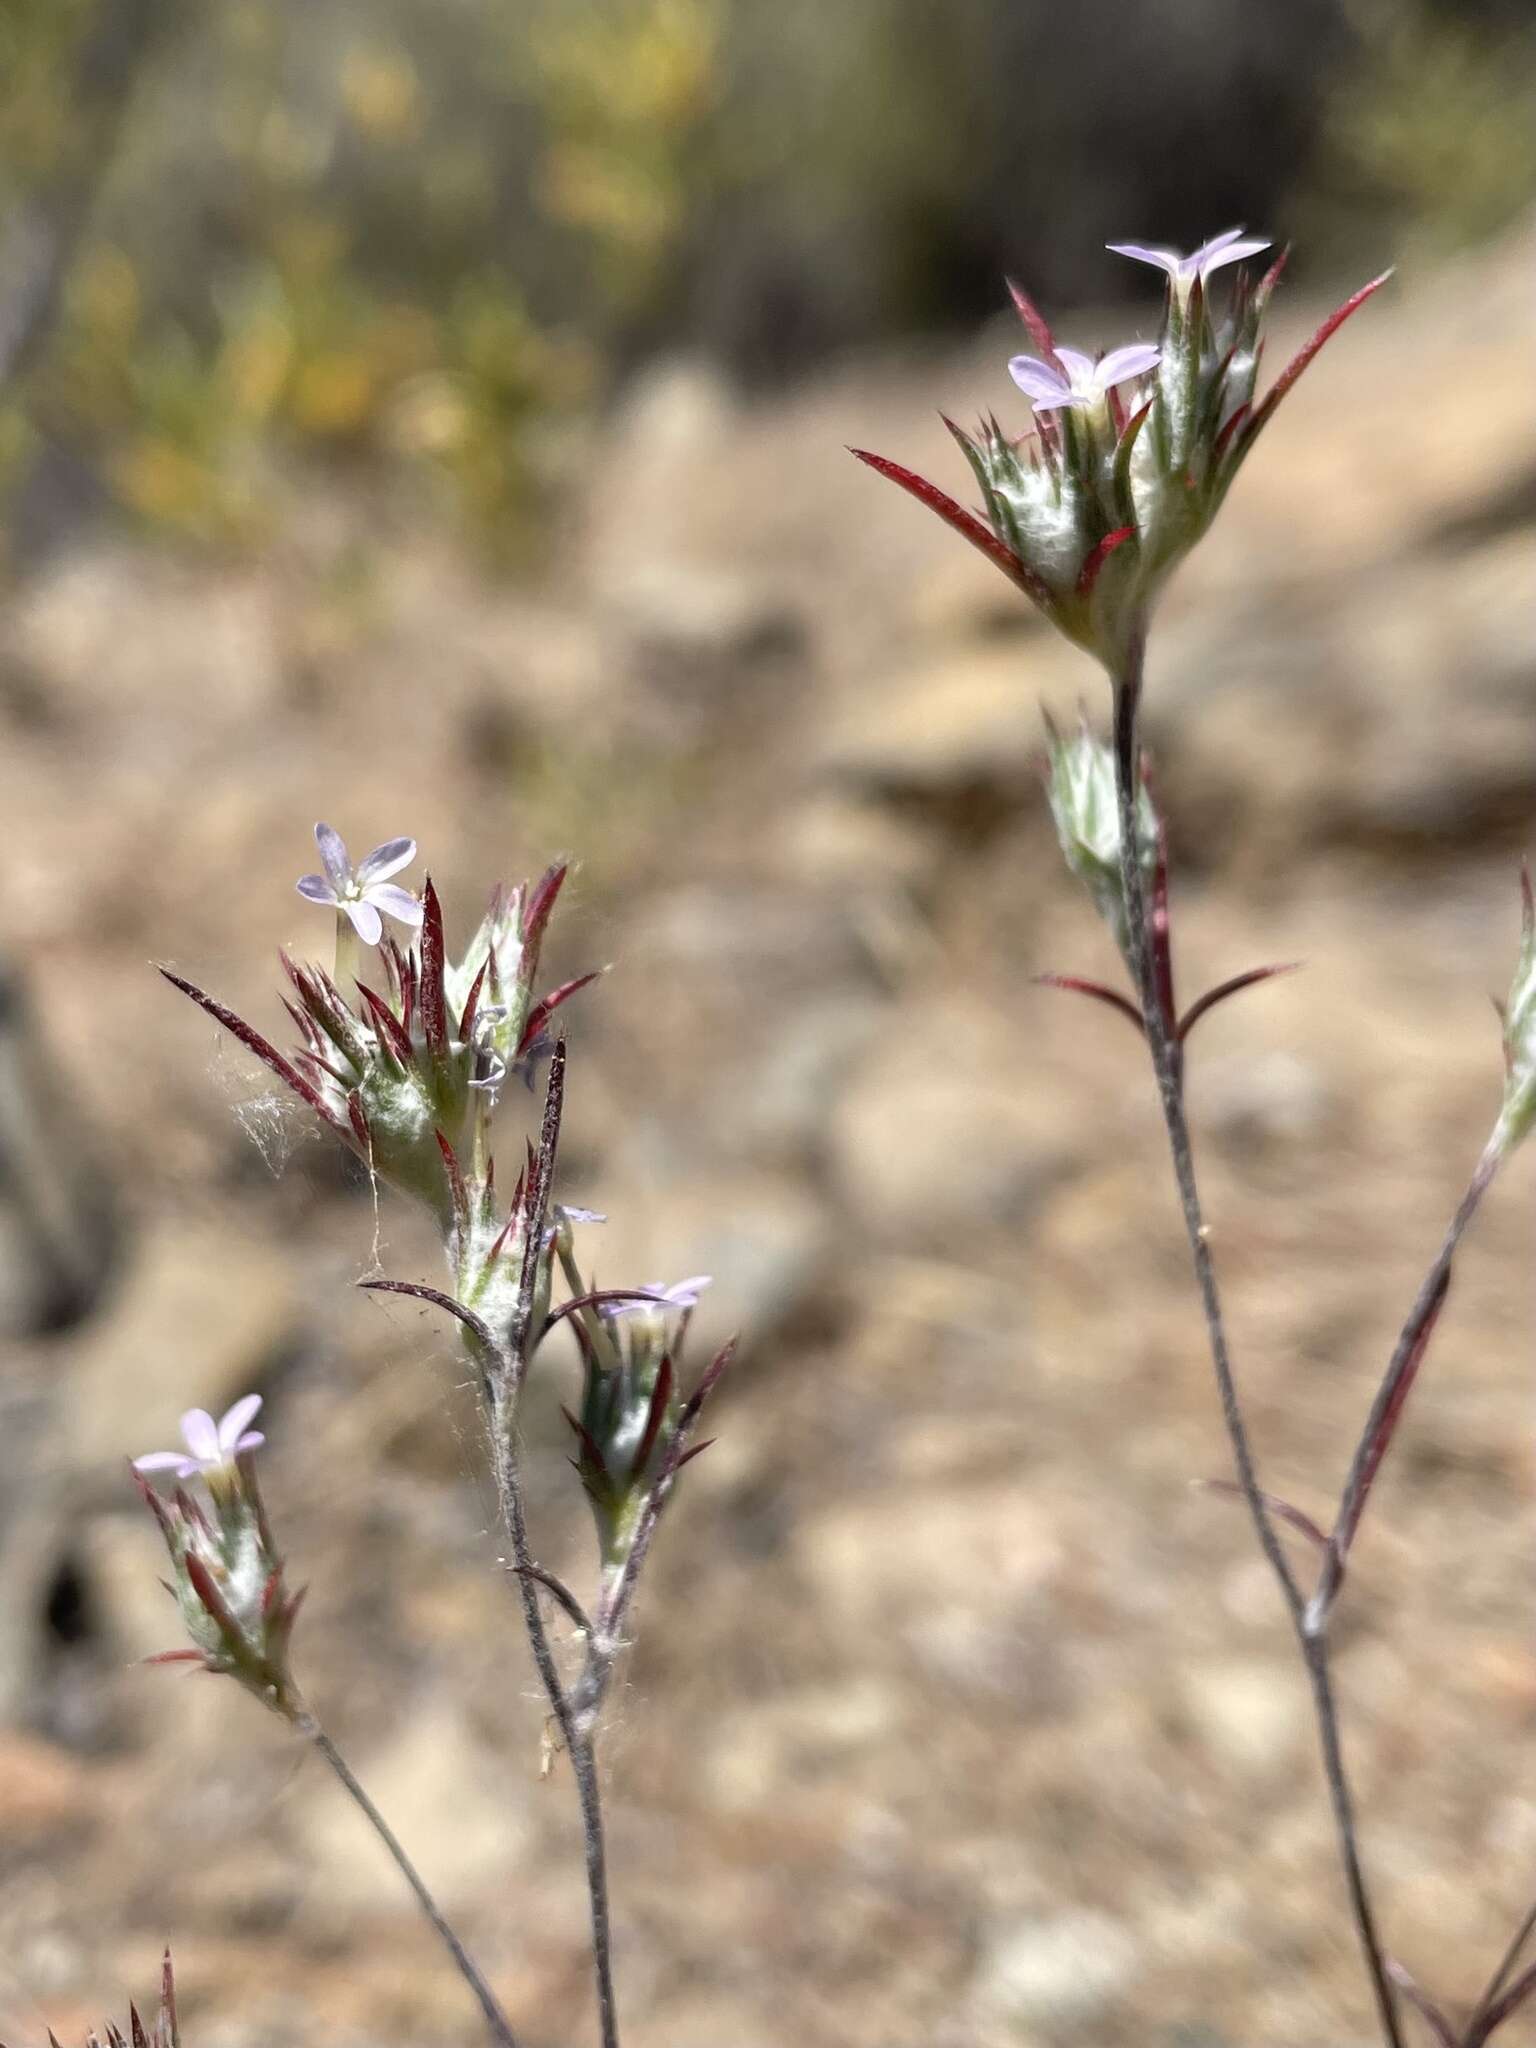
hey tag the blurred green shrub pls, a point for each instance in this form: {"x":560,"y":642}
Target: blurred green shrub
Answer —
{"x":324,"y":234}
{"x":1429,"y":136}
{"x":423,"y":237}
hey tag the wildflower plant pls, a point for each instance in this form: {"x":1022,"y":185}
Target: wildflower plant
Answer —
{"x":1128,"y":459}
{"x":403,"y":1055}
{"x":163,"y":2032}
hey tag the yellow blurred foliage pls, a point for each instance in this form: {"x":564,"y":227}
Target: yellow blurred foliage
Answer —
{"x":382,"y":92}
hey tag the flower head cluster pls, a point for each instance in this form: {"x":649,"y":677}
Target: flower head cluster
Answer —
{"x":405,"y":1068}
{"x":1131,"y":454}
{"x":633,"y":1419}
{"x":227,"y":1576}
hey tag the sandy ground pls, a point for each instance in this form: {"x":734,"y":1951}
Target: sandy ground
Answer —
{"x":958,"y":1717}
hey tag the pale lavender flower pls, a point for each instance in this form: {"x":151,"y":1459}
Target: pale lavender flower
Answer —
{"x":681,"y":1294}
{"x":362,"y":892}
{"x":210,"y":1444}
{"x":1232,"y":247}
{"x":1081,"y":381}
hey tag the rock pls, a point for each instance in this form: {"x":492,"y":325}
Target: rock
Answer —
{"x":42,"y":1789}
{"x":763,"y":1240}
{"x":1065,"y":1969}
{"x":1246,"y":1711}
{"x":60,"y":1233}
{"x":802,"y":1739}
{"x":204,"y":1314}
{"x":1385,"y":710}
{"x":786,"y":1098}
{"x":961,"y":737}
{"x":115,"y":627}
{"x":691,"y":627}
{"x":946,"y":1128}
{"x":1259,"y":1101}
{"x":424,"y":1781}
{"x":982,"y":1549}
{"x":835,"y":839}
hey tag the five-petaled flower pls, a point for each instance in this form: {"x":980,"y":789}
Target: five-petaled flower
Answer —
{"x":1232,"y":247}
{"x":362,"y":892}
{"x":210,"y":1445}
{"x":681,"y":1294}
{"x":1080,"y":381}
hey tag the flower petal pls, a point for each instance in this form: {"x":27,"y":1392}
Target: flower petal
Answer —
{"x":366,"y":921}
{"x":1231,"y":251}
{"x":1168,"y":260}
{"x":574,"y":1215}
{"x":387,"y":859}
{"x":202,"y":1435}
{"x":1080,"y":370}
{"x":333,"y":854}
{"x":394,"y":902}
{"x":251,"y":1441}
{"x":1121,"y":364}
{"x":160,"y":1461}
{"x":233,"y":1421}
{"x":1040,"y":384}
{"x":317,"y":888}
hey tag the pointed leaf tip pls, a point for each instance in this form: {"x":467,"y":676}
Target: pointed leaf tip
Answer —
{"x":1035,"y":322}
{"x":1293,"y":369}
{"x":966,"y":524}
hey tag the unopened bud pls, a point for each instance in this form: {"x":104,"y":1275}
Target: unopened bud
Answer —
{"x":1085,"y":804}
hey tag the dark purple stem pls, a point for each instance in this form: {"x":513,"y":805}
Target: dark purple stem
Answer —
{"x":1392,"y":1394}
{"x":508,"y":1369}
{"x":1478,"y":2028}
{"x":1167,"y":1064}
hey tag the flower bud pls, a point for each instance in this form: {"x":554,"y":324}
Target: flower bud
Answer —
{"x":227,"y":1577}
{"x":1519,"y":1111}
{"x":631,"y":1407}
{"x":1085,"y":805}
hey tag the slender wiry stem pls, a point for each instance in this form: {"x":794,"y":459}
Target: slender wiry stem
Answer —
{"x":1161,"y":1029}
{"x":577,"y":1740}
{"x":495,"y":2019}
{"x":1507,"y":1962}
{"x":508,"y":1369}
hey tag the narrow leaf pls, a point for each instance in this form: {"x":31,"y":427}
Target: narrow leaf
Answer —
{"x":1293,"y":1517}
{"x":458,"y":1192}
{"x":964,"y":523}
{"x":540,"y":903}
{"x":1076,"y":985}
{"x":1098,"y":555}
{"x":661,"y":1394}
{"x":253,"y":1042}
{"x":1254,"y":975}
{"x":546,"y":1007}
{"x":434,"y":1006}
{"x":1293,"y":369}
{"x":437,"y":1299}
{"x":1035,"y":321}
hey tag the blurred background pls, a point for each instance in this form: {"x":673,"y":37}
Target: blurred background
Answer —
{"x":430,"y":417}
